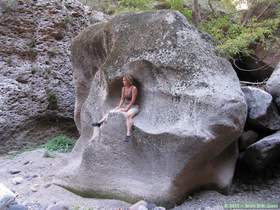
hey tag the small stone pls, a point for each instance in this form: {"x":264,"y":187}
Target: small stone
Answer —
{"x":17,"y":180}
{"x":34,"y":188}
{"x":47,"y":185}
{"x":26,"y":162}
{"x":48,"y":155}
{"x":14,"y":171}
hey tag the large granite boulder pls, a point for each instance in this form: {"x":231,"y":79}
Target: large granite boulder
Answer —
{"x":192,"y":111}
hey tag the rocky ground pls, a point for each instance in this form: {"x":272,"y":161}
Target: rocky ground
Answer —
{"x":36,"y":190}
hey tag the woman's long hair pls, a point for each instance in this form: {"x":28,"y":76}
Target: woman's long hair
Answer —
{"x":129,"y":78}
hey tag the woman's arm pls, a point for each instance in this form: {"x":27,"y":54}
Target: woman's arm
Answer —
{"x":121,"y":101}
{"x":134,"y":95}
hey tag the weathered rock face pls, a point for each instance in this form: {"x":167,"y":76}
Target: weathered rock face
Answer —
{"x":192,"y":111}
{"x":36,"y":87}
{"x":262,"y":112}
{"x":273,"y":85}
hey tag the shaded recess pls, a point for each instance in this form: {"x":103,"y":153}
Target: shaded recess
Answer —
{"x":251,"y":69}
{"x":38,"y":131}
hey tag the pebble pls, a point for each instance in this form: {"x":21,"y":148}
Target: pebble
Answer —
{"x":14,"y":171}
{"x":47,"y":185}
{"x":47,"y":154}
{"x":26,"y":162}
{"x":34,"y":188}
{"x":17,"y":180}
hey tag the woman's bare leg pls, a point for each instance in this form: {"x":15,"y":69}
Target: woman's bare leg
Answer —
{"x":105,"y":117}
{"x":129,"y":123}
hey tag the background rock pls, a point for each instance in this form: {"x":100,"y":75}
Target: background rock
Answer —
{"x":36,"y":85}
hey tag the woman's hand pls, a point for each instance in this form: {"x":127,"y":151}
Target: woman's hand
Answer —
{"x":124,"y":109}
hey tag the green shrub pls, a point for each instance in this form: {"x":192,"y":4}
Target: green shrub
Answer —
{"x":232,"y":38}
{"x":60,"y":143}
{"x":133,"y":5}
{"x":138,"y":4}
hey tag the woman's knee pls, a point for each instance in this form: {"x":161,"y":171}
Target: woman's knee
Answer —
{"x":129,"y":118}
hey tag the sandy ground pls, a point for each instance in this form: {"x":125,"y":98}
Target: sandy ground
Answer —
{"x":37,"y":189}
{"x":38,"y":172}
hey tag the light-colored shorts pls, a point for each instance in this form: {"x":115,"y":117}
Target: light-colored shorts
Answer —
{"x":134,"y":109}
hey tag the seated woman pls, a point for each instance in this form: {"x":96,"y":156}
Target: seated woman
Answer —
{"x":127,"y":105}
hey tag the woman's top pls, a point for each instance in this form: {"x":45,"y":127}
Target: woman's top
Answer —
{"x":128,"y":97}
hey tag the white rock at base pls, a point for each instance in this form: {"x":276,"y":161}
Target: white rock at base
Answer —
{"x":6,"y":196}
{"x":140,"y":205}
{"x":17,"y":180}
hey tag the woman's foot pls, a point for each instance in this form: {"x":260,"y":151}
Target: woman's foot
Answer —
{"x":128,"y":138}
{"x":97,"y":124}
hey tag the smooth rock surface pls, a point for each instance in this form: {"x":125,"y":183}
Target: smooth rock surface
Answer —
{"x":262,"y":112}
{"x":192,"y":111}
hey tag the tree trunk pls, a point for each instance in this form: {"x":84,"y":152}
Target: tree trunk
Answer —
{"x":249,"y":12}
{"x":195,"y":13}
{"x":211,"y":7}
